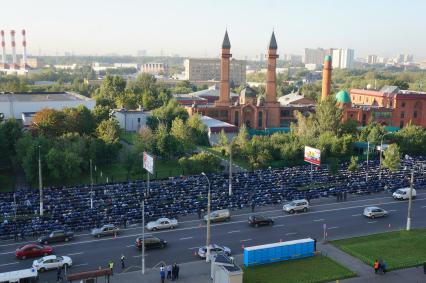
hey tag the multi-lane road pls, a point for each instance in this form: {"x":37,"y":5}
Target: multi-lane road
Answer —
{"x":342,"y":219}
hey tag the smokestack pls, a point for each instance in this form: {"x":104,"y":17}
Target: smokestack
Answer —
{"x":3,"y":46}
{"x":24,"y":51}
{"x":326,"y":78}
{"x":12,"y":37}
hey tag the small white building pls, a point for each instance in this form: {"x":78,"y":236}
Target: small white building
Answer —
{"x":131,"y":120}
{"x":214,"y":127}
{"x":19,"y":105}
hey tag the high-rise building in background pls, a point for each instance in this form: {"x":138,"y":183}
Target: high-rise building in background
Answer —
{"x":343,"y":58}
{"x":372,"y":59}
{"x":141,"y":53}
{"x":154,"y":68}
{"x":315,"y":56}
{"x":201,"y":69}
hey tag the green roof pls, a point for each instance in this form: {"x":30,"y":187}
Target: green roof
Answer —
{"x":327,"y":58}
{"x":343,"y":97}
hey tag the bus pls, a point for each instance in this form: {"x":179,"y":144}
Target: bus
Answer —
{"x":20,"y":276}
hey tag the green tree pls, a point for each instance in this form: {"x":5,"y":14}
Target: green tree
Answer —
{"x":392,"y":158}
{"x":10,"y":132}
{"x":165,"y":144}
{"x":329,"y":116}
{"x":182,"y":137}
{"x":353,"y":165}
{"x":129,"y":160}
{"x":108,"y":131}
{"x":166,"y":114}
{"x":242,"y":137}
{"x":411,"y":140}
{"x":223,"y":138}
{"x":49,"y":122}
{"x":198,"y":130}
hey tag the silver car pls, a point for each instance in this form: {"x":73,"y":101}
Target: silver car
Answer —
{"x":162,"y":223}
{"x":106,"y":230}
{"x":374,"y":211}
{"x":214,"y":249}
{"x":296,"y":206}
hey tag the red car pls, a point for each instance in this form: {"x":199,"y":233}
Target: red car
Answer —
{"x":33,"y":250}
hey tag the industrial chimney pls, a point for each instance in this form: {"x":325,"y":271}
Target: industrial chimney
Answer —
{"x":24,"y":51}
{"x":12,"y":37}
{"x":3,"y":46}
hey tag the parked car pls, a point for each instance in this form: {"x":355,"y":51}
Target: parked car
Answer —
{"x":404,"y":193}
{"x":151,"y":242}
{"x":374,"y":211}
{"x":52,"y":262}
{"x":162,"y":223}
{"x":260,"y":220}
{"x":106,"y":230}
{"x":33,"y":250}
{"x":296,"y":206}
{"x":219,"y":215}
{"x":56,"y":236}
{"x":214,"y":249}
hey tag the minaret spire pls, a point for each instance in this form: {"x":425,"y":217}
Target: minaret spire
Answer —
{"x":224,"y":97}
{"x":271,"y":77}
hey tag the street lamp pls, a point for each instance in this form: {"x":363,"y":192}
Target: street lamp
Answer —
{"x":381,"y":150}
{"x":91,"y":185}
{"x":208,"y":220}
{"x":230,"y":169}
{"x":143,"y":235}
{"x":40,"y":183}
{"x":368,"y":154}
{"x":410,"y":196}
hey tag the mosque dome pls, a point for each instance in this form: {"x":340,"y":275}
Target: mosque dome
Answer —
{"x":343,"y":97}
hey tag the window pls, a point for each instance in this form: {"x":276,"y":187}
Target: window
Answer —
{"x":260,"y":120}
{"x":224,"y":113}
{"x":286,"y":113}
{"x":402,"y":114}
{"x":403,"y":104}
{"x":401,"y":124}
{"x":415,"y":114}
{"x":139,"y":120}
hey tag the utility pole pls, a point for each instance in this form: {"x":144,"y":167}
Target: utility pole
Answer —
{"x":381,"y":151}
{"x":91,"y":185}
{"x":143,"y":235}
{"x":147,"y":183}
{"x":410,"y":200}
{"x":40,"y":183}
{"x":208,"y":219}
{"x":368,"y":154}
{"x":230,"y":170}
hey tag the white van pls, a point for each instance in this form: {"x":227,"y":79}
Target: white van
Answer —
{"x":404,"y":193}
{"x":29,"y":275}
{"x":219,"y":215}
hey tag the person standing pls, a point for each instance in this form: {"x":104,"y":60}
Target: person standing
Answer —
{"x":345,"y":195}
{"x":424,"y":267}
{"x":169,"y":271}
{"x":111,"y":266}
{"x":177,"y":271}
{"x":59,"y":275}
{"x":122,"y":261}
{"x":162,"y":275}
{"x":199,"y":213}
{"x":253,"y":205}
{"x":174,"y":272}
{"x":376,"y":266}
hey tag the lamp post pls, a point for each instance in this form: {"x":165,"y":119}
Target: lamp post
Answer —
{"x":381,"y":150}
{"x":143,"y":235}
{"x":230,"y":169}
{"x":40,"y":183}
{"x":91,"y":185}
{"x":410,"y":200}
{"x":208,"y":219}
{"x":368,"y":154}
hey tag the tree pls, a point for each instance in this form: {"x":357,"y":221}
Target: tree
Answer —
{"x":101,"y":113}
{"x":353,"y":165}
{"x":128,"y":159}
{"x":411,"y":140}
{"x":108,"y":131}
{"x":400,"y":84}
{"x":182,"y":137}
{"x":166,"y":114}
{"x":333,"y":165}
{"x":242,"y":137}
{"x":10,"y":132}
{"x":49,"y":122}
{"x":198,"y":130}
{"x":200,"y":162}
{"x":165,"y":145}
{"x":145,"y":141}
{"x":391,"y":158}
{"x":79,"y":120}
{"x":329,"y":116}
{"x":112,"y":87}
{"x":223,"y":138}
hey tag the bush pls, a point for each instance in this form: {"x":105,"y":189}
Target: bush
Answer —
{"x":201,"y":162}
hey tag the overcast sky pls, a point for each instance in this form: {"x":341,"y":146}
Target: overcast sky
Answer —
{"x":196,"y":27}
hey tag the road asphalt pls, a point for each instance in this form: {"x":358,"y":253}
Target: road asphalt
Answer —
{"x":340,"y":219}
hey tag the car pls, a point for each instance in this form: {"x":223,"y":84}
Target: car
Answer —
{"x":259,"y":220}
{"x":106,"y":230}
{"x":56,"y":236}
{"x":214,"y":249}
{"x":403,"y":193}
{"x":296,"y":206}
{"x":52,"y":262}
{"x":219,"y":215}
{"x":374,"y":211}
{"x":162,"y":223}
{"x":151,"y":242}
{"x":33,"y":250}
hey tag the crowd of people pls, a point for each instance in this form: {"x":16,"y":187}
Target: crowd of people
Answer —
{"x":69,"y":208}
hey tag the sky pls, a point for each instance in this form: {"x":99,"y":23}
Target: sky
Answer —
{"x":196,"y":27}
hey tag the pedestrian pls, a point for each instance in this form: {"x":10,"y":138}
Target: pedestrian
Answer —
{"x":199,"y":213}
{"x":383,"y":267}
{"x":253,"y":205}
{"x":337,"y":197}
{"x":111,"y":266}
{"x":177,"y":271}
{"x":424,"y":267}
{"x":174,"y":272}
{"x":59,"y":275}
{"x":315,"y":244}
{"x":122,"y":261}
{"x":162,"y":274}
{"x":380,"y":266}
{"x":345,"y":195}
{"x":169,"y":271}
{"x":376,"y":266}
{"x":162,"y":267}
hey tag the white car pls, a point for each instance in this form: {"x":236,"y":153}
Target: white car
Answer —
{"x":374,"y":211}
{"x":296,"y":206}
{"x":162,"y":223}
{"x":404,"y":193}
{"x":52,"y":262}
{"x":214,"y":249}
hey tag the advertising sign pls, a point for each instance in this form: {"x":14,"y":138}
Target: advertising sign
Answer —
{"x":148,"y":162}
{"x":312,"y":155}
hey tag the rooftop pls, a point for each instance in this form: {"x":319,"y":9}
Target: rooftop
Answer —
{"x":42,"y":96}
{"x":211,"y":122}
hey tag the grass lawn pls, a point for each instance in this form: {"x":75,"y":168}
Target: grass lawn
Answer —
{"x":129,"y":137}
{"x":6,"y":181}
{"x":313,"y":270}
{"x":400,"y":249}
{"x":216,"y":150}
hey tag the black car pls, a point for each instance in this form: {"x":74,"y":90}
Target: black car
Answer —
{"x":259,"y":220}
{"x":56,"y":236}
{"x":151,"y":242}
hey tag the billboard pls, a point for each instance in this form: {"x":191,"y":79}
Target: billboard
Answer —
{"x":148,"y":162}
{"x":312,"y":155}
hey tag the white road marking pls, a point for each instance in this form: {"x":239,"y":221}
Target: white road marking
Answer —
{"x":186,"y":238}
{"x":130,"y":246}
{"x":75,"y":254}
{"x":246,"y":240}
{"x":140,"y":255}
{"x":334,"y":227}
{"x":393,"y":210}
{"x":16,"y":262}
{"x":194,"y":248}
{"x":6,"y":253}
{"x":423,"y":206}
{"x":318,"y":220}
{"x":370,"y":222}
{"x":291,"y":233}
{"x":236,"y":231}
{"x":81,"y":264}
{"x":279,"y":225}
{"x":356,"y":215}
